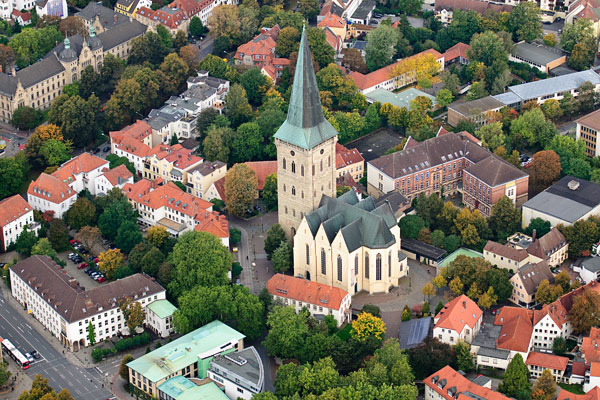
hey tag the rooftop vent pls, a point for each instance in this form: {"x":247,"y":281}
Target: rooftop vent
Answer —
{"x":573,"y":185}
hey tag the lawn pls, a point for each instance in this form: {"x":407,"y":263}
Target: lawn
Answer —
{"x":344,"y":333}
{"x":575,"y":389}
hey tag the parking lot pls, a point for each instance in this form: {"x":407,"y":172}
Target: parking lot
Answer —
{"x":77,"y":272}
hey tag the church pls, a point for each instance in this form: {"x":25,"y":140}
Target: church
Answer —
{"x":341,"y":242}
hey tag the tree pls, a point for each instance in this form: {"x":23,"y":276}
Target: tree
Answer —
{"x":439,"y":281}
{"x":246,"y":144}
{"x":456,"y":286}
{"x":25,"y":242}
{"x":583,"y":55}
{"x":116,"y":213}
{"x":269,"y":193}
{"x":199,"y":258}
{"x":476,"y":91}
{"x":428,"y":290}
{"x":224,"y":21}
{"x":422,"y":66}
{"x":196,"y":29}
{"x":545,"y":168}
{"x":540,"y":226}
{"x":176,"y":71}
{"x":81,"y":213}
{"x":7,"y":57}
{"x":353,"y":60}
{"x":580,"y":236}
{"x":89,"y":236}
{"x":559,"y":346}
{"x":563,"y":280}
{"x":217,"y":142}
{"x":487,"y":299}
{"x":149,"y":47}
{"x":133,"y":312}
{"x":550,"y":39}
{"x":234,"y":305}
{"x":240,"y":189}
{"x":410,"y":225}
{"x":545,"y":385}
{"x":32,"y":44}
{"x":405,"y":316}
{"x":492,"y":135}
{"x":110,"y":261}
{"x":515,"y":382}
{"x":585,"y":311}
{"x":464,"y":358}
{"x":551,"y":109}
{"x":505,"y":218}
{"x":128,"y":235}
{"x":576,"y":32}
{"x":451,"y":243}
{"x":43,"y":247}
{"x":282,"y":257}
{"x":26,"y":118}
{"x":123,"y":369}
{"x":58,"y":234}
{"x":91,"y":334}
{"x":54,"y":152}
{"x":380,"y":47}
{"x":287,"y":332}
{"x":451,"y":82}
{"x":189,"y":54}
{"x":587,"y":96}
{"x":115,"y":161}
{"x":524,"y":21}
{"x":569,"y":105}
{"x":429,"y":357}
{"x":72,"y":26}
{"x":157,"y":236}
{"x":4,"y":375}
{"x":237,"y":108}
{"x":444,"y":97}
{"x":321,"y":50}
{"x":309,"y":8}
{"x":367,"y":326}
{"x":255,"y":84}
{"x":76,"y":118}
{"x":275,"y":236}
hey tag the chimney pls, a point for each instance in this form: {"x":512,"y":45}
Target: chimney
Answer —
{"x":533,"y":235}
{"x":465,"y":304}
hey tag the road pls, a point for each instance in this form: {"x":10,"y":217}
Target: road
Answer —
{"x":205,"y":46}
{"x":84,"y":384}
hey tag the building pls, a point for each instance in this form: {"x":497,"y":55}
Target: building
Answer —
{"x":589,"y":269}
{"x":15,"y":215}
{"x":351,"y":245}
{"x":49,"y":193}
{"x":421,"y":251}
{"x":538,"y":55}
{"x":112,"y":178}
{"x":133,"y":142}
{"x":363,"y":13}
{"x":477,"y":111}
{"x":57,"y":8}
{"x":319,"y":299}
{"x":588,"y":128}
{"x":188,"y":356}
{"x":384,"y":78}
{"x":6,"y":8}
{"x":260,"y":51}
{"x":459,"y":320}
{"x":100,"y":17}
{"x":414,"y":331}
{"x":457,"y":54}
{"x":241,"y":373}
{"x":203,"y":176}
{"x":444,"y":9}
{"x":81,"y":172}
{"x":448,"y":384}
{"x":22,"y":18}
{"x":174,"y":19}
{"x":526,"y":280}
{"x":538,"y":362}
{"x":569,"y":200}
{"x":349,"y":162}
{"x":587,"y":9}
{"x":40,"y":83}
{"x":446,"y":164}
{"x":181,"y":388}
{"x":170,"y":163}
{"x":399,"y":99}
{"x":552,"y":247}
{"x":159,"y":315}
{"x":66,"y":309}
{"x":593,"y":394}
{"x":546,"y":89}
{"x":396,"y":201}
{"x":129,"y":8}
{"x":305,"y":148}
{"x":504,"y":256}
{"x":335,"y":23}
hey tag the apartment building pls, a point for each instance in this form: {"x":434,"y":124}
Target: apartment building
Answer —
{"x":319,"y":299}
{"x":260,"y":51}
{"x":526,"y":280}
{"x":241,"y":373}
{"x":504,"y":256}
{"x":588,"y":128}
{"x":15,"y":215}
{"x":538,"y":362}
{"x":66,"y":309}
{"x":587,"y":9}
{"x":188,"y":356}
{"x":448,"y":384}
{"x":170,"y":163}
{"x":552,"y":247}
{"x":112,"y":178}
{"x":159,"y":315}
{"x":349,"y":162}
{"x":384,"y":78}
{"x":133,"y":142}
{"x":201,"y":177}
{"x":459,"y":320}
{"x":174,"y":19}
{"x":49,"y":193}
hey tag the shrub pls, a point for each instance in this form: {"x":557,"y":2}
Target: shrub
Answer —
{"x":99,"y":353}
{"x":133,"y":341}
{"x":371,"y":309}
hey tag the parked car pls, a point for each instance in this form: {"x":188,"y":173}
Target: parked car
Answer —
{"x":88,"y":269}
{"x":29,"y":357}
{"x":35,"y":354}
{"x":82,"y":265}
{"x":96,"y":260}
{"x":96,"y":150}
{"x":101,"y":279}
{"x":106,"y":149}
{"x":73,"y":241}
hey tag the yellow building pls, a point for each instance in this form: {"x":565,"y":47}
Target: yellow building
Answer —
{"x":201,"y":177}
{"x":130,"y":7}
{"x":170,"y":163}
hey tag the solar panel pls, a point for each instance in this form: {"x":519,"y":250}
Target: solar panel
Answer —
{"x":418,"y":331}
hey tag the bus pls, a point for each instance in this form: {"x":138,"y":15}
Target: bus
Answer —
{"x":15,"y":354}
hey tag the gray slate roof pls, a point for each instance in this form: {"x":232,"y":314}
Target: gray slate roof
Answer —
{"x":495,"y":171}
{"x":363,"y":10}
{"x":8,"y":84}
{"x":422,"y":248}
{"x":361,"y":223}
{"x":537,"y":53}
{"x":41,"y":70}
{"x":532,"y":274}
{"x":121,"y":34}
{"x":106,"y":15}
{"x":592,"y":264}
{"x":305,"y":125}
{"x":476,"y":107}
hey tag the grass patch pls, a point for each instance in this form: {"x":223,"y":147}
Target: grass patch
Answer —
{"x":344,"y":333}
{"x":575,"y":389}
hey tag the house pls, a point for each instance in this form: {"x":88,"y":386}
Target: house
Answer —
{"x":260,"y":51}
{"x":170,"y":163}
{"x":589,"y":346}
{"x":477,"y":111}
{"x":398,"y":99}
{"x":159,"y":315}
{"x":397,"y":202}
{"x":49,"y":193}
{"x":363,"y":13}
{"x":552,"y":247}
{"x":81,"y":172}
{"x":66,"y":309}
{"x":130,"y":7}
{"x":592,"y":377}
{"x":335,"y":41}
{"x":589,"y":269}
{"x":15,"y":215}
{"x":319,"y":299}
{"x":262,"y":169}
{"x":421,"y":251}
{"x":189,"y":356}
{"x":335,"y":23}
{"x":448,"y":384}
{"x":241,"y":373}
{"x":443,"y":9}
{"x":215,"y":224}
{"x":57,"y":8}
{"x":538,"y":362}
{"x":133,"y":142}
{"x":350,"y":244}
{"x":459,"y":320}
{"x":356,"y":30}
{"x":504,"y":256}
{"x":567,"y":201}
{"x":113,"y":178}
{"x":349,"y":162}
{"x":414,"y":331}
{"x":593,"y":394}
{"x":526,"y":280}
{"x":383,"y":78}
{"x":546,"y":89}
{"x":180,"y":388}
{"x":201,"y":177}
{"x":457,"y":54}
{"x":587,"y":9}
{"x":22,"y":18}
{"x":588,"y":128}
{"x":446,"y":164}
{"x":174,"y":19}
{"x":538,"y":55}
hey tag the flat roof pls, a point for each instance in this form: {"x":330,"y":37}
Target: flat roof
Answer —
{"x":210,"y":339}
{"x":459,"y":252}
{"x":250,"y":370}
{"x":414,"y":331}
{"x":476,"y":107}
{"x":507,"y":98}
{"x":162,"y":308}
{"x":591,"y":120}
{"x":422,"y":248}
{"x":531,"y":90}
{"x":537,"y":53}
{"x":363,"y":10}
{"x":400,"y":99}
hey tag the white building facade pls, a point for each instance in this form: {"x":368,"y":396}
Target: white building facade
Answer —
{"x":15,"y":215}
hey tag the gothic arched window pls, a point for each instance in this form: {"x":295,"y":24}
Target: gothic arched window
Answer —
{"x":339,"y":268}
{"x":323,"y":262}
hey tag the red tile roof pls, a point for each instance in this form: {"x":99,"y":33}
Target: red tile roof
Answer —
{"x":168,"y":195}
{"x":590,"y":347}
{"x":177,"y":155}
{"x":547,"y":361}
{"x":213,"y":222}
{"x":13,"y":208}
{"x":383,"y":74}
{"x":25,"y":16}
{"x":506,"y":251}
{"x":458,"y":50}
{"x":332,"y":21}
{"x":578,"y":368}
{"x":449,"y":379}
{"x":515,"y":334}
{"x":595,"y":369}
{"x":345,"y":157}
{"x":334,"y":40}
{"x":459,"y":312}
{"x":593,"y":394}
{"x":83,"y":163}
{"x":117,"y":175}
{"x":262,"y":169}
{"x":50,"y":188}
{"x":138,"y":130}
{"x":306,"y":291}
{"x":261,"y":45}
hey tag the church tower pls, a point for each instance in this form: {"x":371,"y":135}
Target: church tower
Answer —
{"x":305,"y":148}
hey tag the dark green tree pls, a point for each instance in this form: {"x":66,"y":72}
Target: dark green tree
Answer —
{"x":515,"y":382}
{"x":275,"y":235}
{"x":25,"y":241}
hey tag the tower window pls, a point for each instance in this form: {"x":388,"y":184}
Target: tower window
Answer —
{"x":284,"y":163}
{"x":323,"y":262}
{"x":302,"y":170}
{"x":329,"y":161}
{"x":321,"y":165}
{"x":356,"y":265}
{"x":390,"y":264}
{"x":339,"y":268}
{"x":284,"y":187}
{"x":293,"y":190}
{"x":293,"y":167}
{"x":313,"y":168}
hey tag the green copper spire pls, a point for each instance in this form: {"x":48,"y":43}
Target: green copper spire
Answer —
{"x":305,"y":125}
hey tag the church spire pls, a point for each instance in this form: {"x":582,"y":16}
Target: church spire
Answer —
{"x":305,"y":111}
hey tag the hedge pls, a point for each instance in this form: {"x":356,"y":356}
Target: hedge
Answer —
{"x":134,"y":341}
{"x":98,"y":353}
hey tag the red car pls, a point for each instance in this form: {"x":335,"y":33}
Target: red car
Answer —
{"x":82,"y":265}
{"x":96,"y":260}
{"x":73,"y":241}
{"x":101,"y":279}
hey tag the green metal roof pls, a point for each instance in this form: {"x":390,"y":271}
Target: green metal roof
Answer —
{"x":305,"y":125}
{"x":401,"y":99}
{"x":162,"y":308}
{"x":459,"y":252}
{"x":181,"y":388}
{"x":184,"y":351}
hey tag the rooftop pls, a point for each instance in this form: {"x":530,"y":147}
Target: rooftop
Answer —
{"x":422,"y":248}
{"x":306,"y":291}
{"x":162,"y":308}
{"x":457,"y":313}
{"x":414,"y":331}
{"x":400,"y":99}
{"x":535,"y":89}
{"x":364,"y":8}
{"x":12,"y":208}
{"x":548,"y":361}
{"x":447,"y":383}
{"x":476,"y":107}
{"x":245,"y":364}
{"x":506,"y":251}
{"x":591,"y":120}
{"x":537,"y":53}
{"x":204,"y":342}
{"x":495,"y":171}
{"x":532,"y":274}
{"x":463,"y":251}
{"x":181,"y":388}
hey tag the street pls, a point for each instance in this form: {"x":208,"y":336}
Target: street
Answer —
{"x":82,"y":383}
